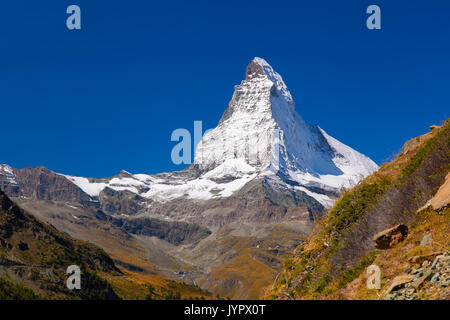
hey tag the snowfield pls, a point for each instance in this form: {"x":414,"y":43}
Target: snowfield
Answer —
{"x":8,"y":172}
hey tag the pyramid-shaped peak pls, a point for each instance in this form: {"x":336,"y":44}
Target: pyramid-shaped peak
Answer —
{"x":261,"y":129}
{"x":260,"y":68}
{"x":124,"y":174}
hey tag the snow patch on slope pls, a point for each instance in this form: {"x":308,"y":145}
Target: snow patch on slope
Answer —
{"x":91,"y":188}
{"x":199,"y":189}
{"x":8,"y":172}
{"x":350,"y":161}
{"x":164,"y":190}
{"x":231,"y":167}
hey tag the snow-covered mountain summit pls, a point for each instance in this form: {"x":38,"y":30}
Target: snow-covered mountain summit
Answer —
{"x":260,"y":136}
{"x":263,"y":133}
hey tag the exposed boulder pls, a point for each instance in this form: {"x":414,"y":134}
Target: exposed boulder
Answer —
{"x":399,"y":282}
{"x":388,"y":238}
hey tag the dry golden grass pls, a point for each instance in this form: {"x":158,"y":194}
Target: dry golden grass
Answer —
{"x":250,"y":272}
{"x":392,"y":262}
{"x":134,"y":286}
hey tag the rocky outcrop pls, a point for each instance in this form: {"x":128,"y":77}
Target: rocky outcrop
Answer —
{"x":361,"y":221}
{"x":390,"y":237}
{"x":430,"y":278}
{"x":42,"y":184}
{"x":174,"y":232}
{"x":421,"y":259}
{"x":121,"y":202}
{"x":256,"y":203}
{"x":418,"y":180}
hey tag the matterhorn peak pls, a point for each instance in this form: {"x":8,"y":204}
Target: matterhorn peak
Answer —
{"x":261,"y":129}
{"x":259,"y":67}
{"x":260,"y":108}
{"x":255,"y":69}
{"x":260,"y":136}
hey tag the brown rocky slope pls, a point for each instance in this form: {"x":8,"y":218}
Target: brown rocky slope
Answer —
{"x":333,"y":262}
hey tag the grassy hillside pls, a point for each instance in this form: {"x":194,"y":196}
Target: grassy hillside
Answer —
{"x":139,"y":286}
{"x":341,"y":246}
{"x":13,"y":291}
{"x":34,"y":257}
{"x":398,"y":261}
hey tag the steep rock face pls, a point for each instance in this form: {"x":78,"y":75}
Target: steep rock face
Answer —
{"x":256,"y":203}
{"x":41,"y":184}
{"x":121,"y":202}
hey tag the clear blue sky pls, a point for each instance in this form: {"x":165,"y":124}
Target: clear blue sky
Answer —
{"x":107,"y":97}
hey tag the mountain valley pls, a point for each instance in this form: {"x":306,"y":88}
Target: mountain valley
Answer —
{"x":260,"y":182}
